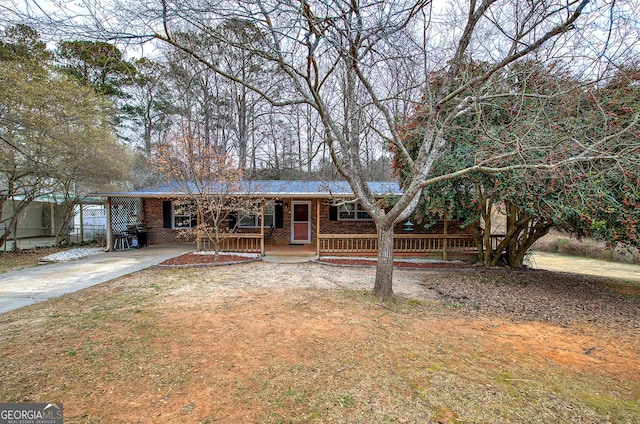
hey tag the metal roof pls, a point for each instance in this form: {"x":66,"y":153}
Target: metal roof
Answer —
{"x":265,"y":188}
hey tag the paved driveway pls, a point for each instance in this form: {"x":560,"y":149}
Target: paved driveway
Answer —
{"x":28,"y":286}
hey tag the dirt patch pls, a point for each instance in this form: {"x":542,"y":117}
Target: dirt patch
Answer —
{"x":561,"y":299}
{"x":227,"y":259}
{"x":401,"y":263}
{"x":190,"y":259}
{"x":620,"y":287}
{"x":306,"y":343}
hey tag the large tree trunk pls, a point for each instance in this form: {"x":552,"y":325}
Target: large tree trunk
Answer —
{"x":4,"y":235}
{"x":517,"y":250}
{"x":383,"y":288}
{"x":478,"y":238}
{"x":14,"y":225}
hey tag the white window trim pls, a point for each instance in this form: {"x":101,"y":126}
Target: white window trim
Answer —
{"x":256,"y":218}
{"x":174,"y":216}
{"x":357,"y":208}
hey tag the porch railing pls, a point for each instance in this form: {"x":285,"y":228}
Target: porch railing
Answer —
{"x":402,"y":243}
{"x":233,"y":242}
{"x":364,"y":244}
{"x":415,"y":244}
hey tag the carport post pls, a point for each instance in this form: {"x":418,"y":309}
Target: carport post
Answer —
{"x":81,"y":222}
{"x":262,"y":228}
{"x":109,"y":235}
{"x":318,"y":227}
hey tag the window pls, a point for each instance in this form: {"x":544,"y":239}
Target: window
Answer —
{"x":352,"y":212}
{"x":184,"y":215}
{"x":253,"y":221}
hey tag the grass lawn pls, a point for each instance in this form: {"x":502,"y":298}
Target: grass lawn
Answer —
{"x":271,"y":343}
{"x":14,"y":261}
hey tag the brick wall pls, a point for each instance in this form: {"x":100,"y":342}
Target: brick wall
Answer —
{"x":343,"y":227}
{"x":282,"y":236}
{"x":154,"y":220}
{"x":368,"y":227}
{"x":157,"y":234}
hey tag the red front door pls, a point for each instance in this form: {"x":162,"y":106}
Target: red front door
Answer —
{"x":300,"y":225}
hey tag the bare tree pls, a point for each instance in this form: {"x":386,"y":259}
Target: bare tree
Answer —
{"x":151,"y":102}
{"x":209,"y":186}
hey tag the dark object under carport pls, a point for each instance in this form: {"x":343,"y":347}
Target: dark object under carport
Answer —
{"x":139,"y":231}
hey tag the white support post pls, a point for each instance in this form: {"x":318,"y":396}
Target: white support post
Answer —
{"x":318,"y":203}
{"x":81,"y":222}
{"x":109,"y":234}
{"x":53,"y":219}
{"x":262,"y":228}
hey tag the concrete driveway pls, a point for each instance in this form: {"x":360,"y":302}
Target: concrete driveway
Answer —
{"x":29,"y":286}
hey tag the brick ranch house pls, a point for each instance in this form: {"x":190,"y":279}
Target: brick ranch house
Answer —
{"x":296,"y":213}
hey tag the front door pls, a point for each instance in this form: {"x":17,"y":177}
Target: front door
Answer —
{"x":300,"y":222}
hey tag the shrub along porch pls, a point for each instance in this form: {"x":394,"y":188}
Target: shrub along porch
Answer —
{"x":320,"y":215}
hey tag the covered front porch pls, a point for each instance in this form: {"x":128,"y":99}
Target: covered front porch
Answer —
{"x":443,"y":245}
{"x":294,"y":217}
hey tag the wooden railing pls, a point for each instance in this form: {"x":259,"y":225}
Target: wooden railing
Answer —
{"x":365,"y":244}
{"x":233,"y":242}
{"x":348,"y":243}
{"x":402,"y":243}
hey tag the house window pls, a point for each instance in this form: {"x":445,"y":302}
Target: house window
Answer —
{"x":253,"y":221}
{"x":352,"y":212}
{"x":184,"y":215}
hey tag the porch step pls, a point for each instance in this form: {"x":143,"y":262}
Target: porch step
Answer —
{"x":290,"y":254}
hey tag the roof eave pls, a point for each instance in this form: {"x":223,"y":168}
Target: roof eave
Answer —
{"x":265,"y":195}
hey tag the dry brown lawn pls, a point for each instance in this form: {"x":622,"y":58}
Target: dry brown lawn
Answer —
{"x":273,"y":343}
{"x":27,"y":258}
